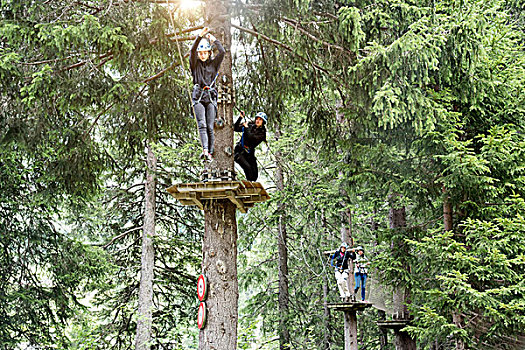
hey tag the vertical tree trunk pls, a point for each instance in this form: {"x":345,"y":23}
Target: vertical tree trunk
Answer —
{"x":447,"y":226}
{"x":350,"y":330}
{"x":397,"y":217}
{"x":383,"y":337}
{"x":326,"y":318}
{"x":219,"y":256}
{"x":447,"y":213}
{"x":284,"y":334}
{"x":145,"y":307}
{"x":219,"y":246}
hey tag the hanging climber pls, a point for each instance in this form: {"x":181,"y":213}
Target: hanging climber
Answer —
{"x":340,"y":261}
{"x":253,"y":133}
{"x":204,"y":69}
{"x":360,"y":271}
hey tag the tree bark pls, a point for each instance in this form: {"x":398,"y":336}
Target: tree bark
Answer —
{"x":326,"y":318}
{"x":397,"y":218}
{"x":219,"y":246}
{"x":284,"y":334}
{"x":219,"y":256}
{"x":350,"y":330}
{"x":447,"y":213}
{"x":145,"y":307}
{"x":383,"y":333}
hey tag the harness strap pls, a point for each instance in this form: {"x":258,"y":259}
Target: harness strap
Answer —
{"x":207,"y":88}
{"x":246,"y":148}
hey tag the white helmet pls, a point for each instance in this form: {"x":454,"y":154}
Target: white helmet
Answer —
{"x":343,"y":245}
{"x":204,"y":45}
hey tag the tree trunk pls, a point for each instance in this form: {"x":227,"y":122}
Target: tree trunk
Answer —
{"x":447,"y":226}
{"x":447,"y":213}
{"x":397,"y":218}
{"x":145,"y":307}
{"x":219,"y":246}
{"x":350,"y":330}
{"x":219,"y":264}
{"x":326,"y":318}
{"x":458,"y":321}
{"x":326,"y":288}
{"x":284,"y":334}
{"x":383,"y":337}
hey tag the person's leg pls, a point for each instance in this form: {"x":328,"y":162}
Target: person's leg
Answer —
{"x":340,"y":281}
{"x":363,"y":278}
{"x":357,"y":282}
{"x":252,"y":174}
{"x":243,"y":162}
{"x":346,"y":292}
{"x":200,"y":114}
{"x":211,"y":112}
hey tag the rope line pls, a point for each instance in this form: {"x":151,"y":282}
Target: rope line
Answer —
{"x":183,"y":65}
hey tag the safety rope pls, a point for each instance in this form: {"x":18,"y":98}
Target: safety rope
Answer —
{"x":182,"y":64}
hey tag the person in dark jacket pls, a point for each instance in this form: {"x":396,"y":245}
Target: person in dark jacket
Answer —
{"x":339,"y":260}
{"x":204,"y":70}
{"x":253,"y":134}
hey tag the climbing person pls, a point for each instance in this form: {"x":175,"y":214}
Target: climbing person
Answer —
{"x":204,"y":70}
{"x":360,"y":272}
{"x":339,"y":260}
{"x":253,"y":133}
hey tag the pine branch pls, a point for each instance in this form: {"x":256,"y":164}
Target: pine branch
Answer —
{"x":297,"y":25}
{"x":187,"y":30}
{"x":280,"y":44}
{"x":162,"y":72}
{"x":124,"y":234}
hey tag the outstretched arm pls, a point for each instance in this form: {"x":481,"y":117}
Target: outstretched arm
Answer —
{"x":221,"y":52}
{"x":193,"y":52}
{"x":332,"y":259}
{"x":238,"y":126}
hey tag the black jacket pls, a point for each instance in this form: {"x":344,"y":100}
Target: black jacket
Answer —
{"x":341,"y":261}
{"x":253,"y":136}
{"x":204,"y":72}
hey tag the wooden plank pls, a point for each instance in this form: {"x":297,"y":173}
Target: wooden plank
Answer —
{"x":243,"y":194}
{"x":352,"y":306}
{"x":172,"y":189}
{"x":236,"y":201}
{"x":195,"y":197}
{"x":255,"y":199}
{"x":393,"y":324}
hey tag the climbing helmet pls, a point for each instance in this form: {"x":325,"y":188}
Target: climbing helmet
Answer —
{"x":204,"y":45}
{"x":262,"y":115}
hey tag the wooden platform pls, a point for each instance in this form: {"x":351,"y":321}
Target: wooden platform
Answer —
{"x":350,"y":306}
{"x":393,"y":324}
{"x":244,"y":194}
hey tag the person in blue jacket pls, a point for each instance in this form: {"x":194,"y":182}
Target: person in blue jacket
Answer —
{"x":204,"y":70}
{"x":253,"y":133}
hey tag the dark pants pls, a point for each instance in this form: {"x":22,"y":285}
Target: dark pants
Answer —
{"x":248,"y":163}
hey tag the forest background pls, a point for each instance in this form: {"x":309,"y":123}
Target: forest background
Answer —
{"x":398,"y":123}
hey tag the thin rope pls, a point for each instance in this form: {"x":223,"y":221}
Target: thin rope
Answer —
{"x":183,"y":65}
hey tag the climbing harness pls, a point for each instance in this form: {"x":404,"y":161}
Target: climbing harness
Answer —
{"x":209,"y":89}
